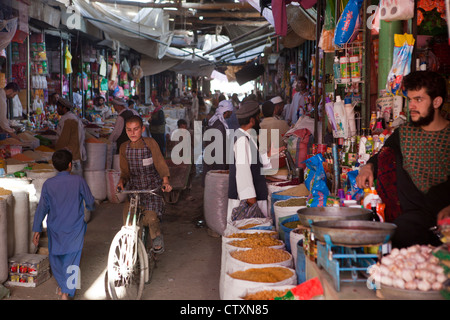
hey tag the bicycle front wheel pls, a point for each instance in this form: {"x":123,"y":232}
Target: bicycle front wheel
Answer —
{"x":126,"y":268}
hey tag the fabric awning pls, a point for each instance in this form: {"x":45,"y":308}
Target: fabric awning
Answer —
{"x":147,"y":33}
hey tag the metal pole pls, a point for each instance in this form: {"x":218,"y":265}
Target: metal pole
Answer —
{"x":259,"y":43}
{"x":317,"y":70}
{"x":237,"y":38}
{"x":249,"y":41}
{"x":28,"y":75}
{"x":365,"y":107}
{"x":386,"y":38}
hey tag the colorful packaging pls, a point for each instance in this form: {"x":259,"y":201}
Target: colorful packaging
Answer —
{"x":346,"y":26}
{"x":345,"y":70}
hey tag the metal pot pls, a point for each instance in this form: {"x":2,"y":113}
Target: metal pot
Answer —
{"x":308,"y":215}
{"x":353,"y":232}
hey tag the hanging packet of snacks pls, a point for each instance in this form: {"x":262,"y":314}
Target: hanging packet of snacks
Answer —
{"x":316,"y":181}
{"x":347,"y":26}
{"x":326,"y":39}
{"x":401,"y":65}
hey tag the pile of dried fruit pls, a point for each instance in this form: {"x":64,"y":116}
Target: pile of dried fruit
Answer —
{"x":256,"y":242}
{"x":269,"y":275}
{"x":261,"y":255}
{"x":265,"y":295}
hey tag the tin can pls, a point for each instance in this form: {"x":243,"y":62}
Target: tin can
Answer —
{"x":13,"y":267}
{"x":23,"y":268}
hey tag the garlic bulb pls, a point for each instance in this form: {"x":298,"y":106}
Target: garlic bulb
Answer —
{"x":398,"y":283}
{"x":436,"y":286}
{"x":423,"y":285}
{"x":412,"y":268}
{"x":411,"y":285}
{"x":408,"y":275}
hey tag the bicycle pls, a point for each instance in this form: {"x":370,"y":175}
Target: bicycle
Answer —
{"x":131,"y":259}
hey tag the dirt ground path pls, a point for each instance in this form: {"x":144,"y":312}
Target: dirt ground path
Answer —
{"x":189,"y":269}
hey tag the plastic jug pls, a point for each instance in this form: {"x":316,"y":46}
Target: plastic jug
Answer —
{"x":340,"y":118}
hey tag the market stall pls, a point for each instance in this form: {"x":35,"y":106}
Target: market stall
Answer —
{"x":355,"y":103}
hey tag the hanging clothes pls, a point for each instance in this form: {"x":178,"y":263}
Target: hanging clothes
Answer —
{"x":68,"y":61}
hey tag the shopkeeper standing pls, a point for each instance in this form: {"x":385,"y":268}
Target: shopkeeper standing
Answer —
{"x":70,"y":134}
{"x":421,"y":151}
{"x":101,"y":107}
{"x":9,"y":92}
{"x":119,"y":134}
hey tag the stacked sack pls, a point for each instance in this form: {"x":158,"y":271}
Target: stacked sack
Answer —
{"x":94,"y":168}
{"x":256,"y":262}
{"x":253,"y":258}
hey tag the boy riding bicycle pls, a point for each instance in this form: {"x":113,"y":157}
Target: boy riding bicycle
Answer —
{"x":143,"y":166}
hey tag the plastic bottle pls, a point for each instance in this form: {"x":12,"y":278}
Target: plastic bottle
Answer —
{"x":373,"y":207}
{"x":369,"y":145}
{"x":352,"y":156}
{"x":337,"y":70}
{"x":345,"y":74}
{"x":368,"y":198}
{"x":340,"y":117}
{"x":2,"y":167}
{"x":349,"y":111}
{"x":373,"y":120}
{"x":354,"y":69}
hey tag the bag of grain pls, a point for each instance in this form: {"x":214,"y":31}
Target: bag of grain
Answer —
{"x":39,"y":176}
{"x":238,"y":282}
{"x":3,"y":242}
{"x":266,"y":292}
{"x":230,"y":236}
{"x":285,"y":209}
{"x":96,"y":181}
{"x":294,"y":237}
{"x":215,"y":204}
{"x":286,"y":227}
{"x":258,"y":257}
{"x":96,"y":152}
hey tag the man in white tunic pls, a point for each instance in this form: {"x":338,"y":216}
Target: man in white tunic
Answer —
{"x":246,"y":181}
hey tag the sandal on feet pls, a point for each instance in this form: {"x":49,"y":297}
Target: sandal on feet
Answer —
{"x":158,"y":244}
{"x":190,"y":198}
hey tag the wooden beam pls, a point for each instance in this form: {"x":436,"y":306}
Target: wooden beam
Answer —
{"x":185,"y":5}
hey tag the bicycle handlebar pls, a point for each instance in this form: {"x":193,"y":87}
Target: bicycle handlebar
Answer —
{"x":151,"y":191}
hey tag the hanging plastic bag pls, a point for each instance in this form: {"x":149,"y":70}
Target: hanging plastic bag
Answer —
{"x":355,"y":192}
{"x":329,"y":109}
{"x":401,"y":65}
{"x":374,"y":21}
{"x":103,"y":68}
{"x":316,"y":182}
{"x":7,"y":30}
{"x":114,"y":71}
{"x":391,"y":10}
{"x":125,"y":66}
{"x":326,"y":38}
{"x":104,"y":85}
{"x":347,"y":24}
{"x":68,"y":62}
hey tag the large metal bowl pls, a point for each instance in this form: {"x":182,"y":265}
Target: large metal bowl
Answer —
{"x":308,"y":215}
{"x":353,"y":232}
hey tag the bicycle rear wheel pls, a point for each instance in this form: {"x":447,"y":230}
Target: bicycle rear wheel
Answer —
{"x":125,"y":278}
